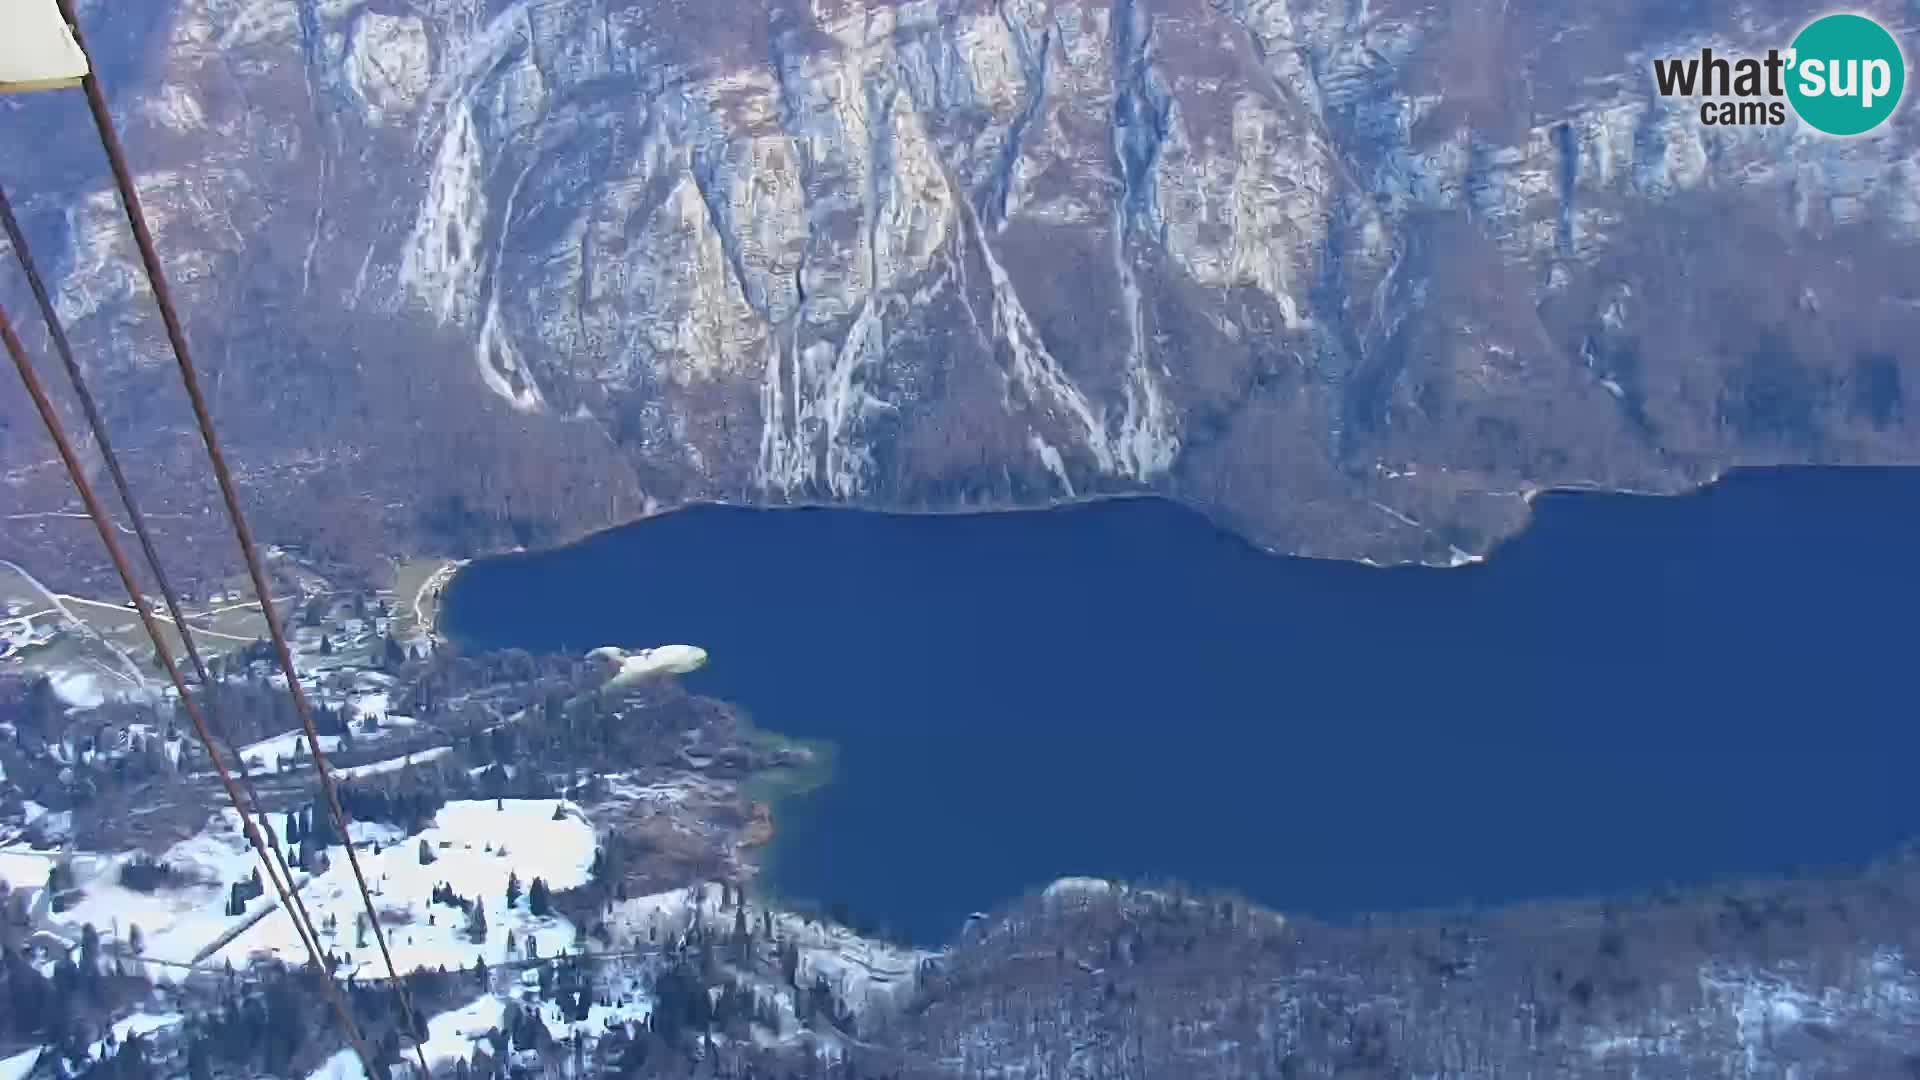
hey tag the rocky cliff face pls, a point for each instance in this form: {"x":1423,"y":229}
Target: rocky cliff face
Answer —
{"x":1357,"y":278}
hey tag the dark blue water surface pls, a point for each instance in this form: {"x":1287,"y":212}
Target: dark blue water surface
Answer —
{"x":1635,"y":691}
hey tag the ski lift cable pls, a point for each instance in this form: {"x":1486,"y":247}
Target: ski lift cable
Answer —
{"x":63,"y":347}
{"x":176,"y":338}
{"x":249,"y":826}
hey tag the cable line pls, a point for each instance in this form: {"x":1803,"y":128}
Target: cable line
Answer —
{"x":176,"y":337}
{"x":100,"y":522}
{"x":98,"y":427}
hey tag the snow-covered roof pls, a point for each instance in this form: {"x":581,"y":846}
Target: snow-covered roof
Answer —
{"x":37,"y":50}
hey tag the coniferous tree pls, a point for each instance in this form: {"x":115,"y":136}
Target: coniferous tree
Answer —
{"x":59,"y":880}
{"x":89,"y":951}
{"x":790,"y":964}
{"x":513,"y":888}
{"x":66,"y":980}
{"x":539,"y":901}
{"x":285,"y":1026}
{"x":29,"y":995}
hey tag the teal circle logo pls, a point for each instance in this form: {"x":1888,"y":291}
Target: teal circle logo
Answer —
{"x":1847,"y":74}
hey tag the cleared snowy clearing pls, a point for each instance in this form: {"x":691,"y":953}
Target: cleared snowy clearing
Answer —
{"x":78,"y":688}
{"x":453,"y":1035}
{"x":344,"y":1065}
{"x":292,"y":745}
{"x":393,"y":764}
{"x":24,"y":868}
{"x":365,"y":705}
{"x":139,"y":1023}
{"x":287,"y":745}
{"x":524,"y":839}
{"x":456,"y":1034}
{"x":175,"y":923}
{"x":178,"y":923}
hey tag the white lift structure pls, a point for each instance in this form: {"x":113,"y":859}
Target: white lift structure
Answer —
{"x":37,"y":50}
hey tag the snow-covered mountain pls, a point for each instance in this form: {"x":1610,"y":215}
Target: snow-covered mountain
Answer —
{"x":1355,"y":277}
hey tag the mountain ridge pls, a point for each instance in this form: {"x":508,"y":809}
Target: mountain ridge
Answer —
{"x":1353,"y":281}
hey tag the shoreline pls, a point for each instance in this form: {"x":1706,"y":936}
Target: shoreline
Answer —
{"x":767,"y":790}
{"x":425,"y":603}
{"x":1528,"y":497}
{"x":794,"y":828}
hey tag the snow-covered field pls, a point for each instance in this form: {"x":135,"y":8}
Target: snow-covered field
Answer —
{"x":453,"y":1035}
{"x":369,"y":702}
{"x":292,"y":744}
{"x":23,"y":868}
{"x":393,"y":764}
{"x":175,"y":923}
{"x":344,"y":1065}
{"x":79,"y":689}
{"x":263,"y":754}
{"x":475,"y":848}
{"x":139,"y":1023}
{"x":20,"y":1066}
{"x":864,"y":974}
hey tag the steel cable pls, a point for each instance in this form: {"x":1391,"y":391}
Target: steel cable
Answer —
{"x":64,"y":349}
{"x":176,"y":338}
{"x":100,"y":522}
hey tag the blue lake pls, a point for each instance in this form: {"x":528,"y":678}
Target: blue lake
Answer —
{"x":1634,"y":692}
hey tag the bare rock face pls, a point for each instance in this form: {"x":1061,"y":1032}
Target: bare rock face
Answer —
{"x":1356,"y":279}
